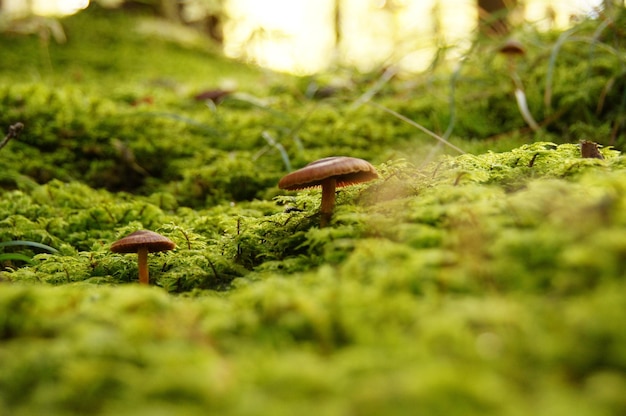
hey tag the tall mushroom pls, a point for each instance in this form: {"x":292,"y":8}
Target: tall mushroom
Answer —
{"x":142,"y":242}
{"x":329,"y":173}
{"x":513,"y":49}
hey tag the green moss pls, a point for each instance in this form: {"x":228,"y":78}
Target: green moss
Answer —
{"x":251,"y":350}
{"x":485,"y":283}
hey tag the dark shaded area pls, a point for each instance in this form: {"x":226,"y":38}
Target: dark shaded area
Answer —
{"x":493,"y":16}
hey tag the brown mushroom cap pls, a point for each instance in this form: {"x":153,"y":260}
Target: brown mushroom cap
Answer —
{"x":142,"y":238}
{"x":345,"y":170}
{"x":512,"y":47}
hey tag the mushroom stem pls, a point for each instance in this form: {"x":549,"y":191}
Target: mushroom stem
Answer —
{"x":328,"y":201}
{"x":142,"y":260}
{"x":520,"y":98}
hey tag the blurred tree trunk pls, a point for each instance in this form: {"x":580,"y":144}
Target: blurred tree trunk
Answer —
{"x":493,"y":16}
{"x":214,"y":28}
{"x":170,"y":9}
{"x":610,"y":5}
{"x":337,"y":23}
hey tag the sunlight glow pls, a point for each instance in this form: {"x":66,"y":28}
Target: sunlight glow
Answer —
{"x":564,"y":11}
{"x":284,"y":35}
{"x":65,"y":7}
{"x":298,"y":36}
{"x":45,"y":7}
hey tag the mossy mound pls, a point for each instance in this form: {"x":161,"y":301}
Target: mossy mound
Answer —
{"x":437,"y":283}
{"x":511,"y":204}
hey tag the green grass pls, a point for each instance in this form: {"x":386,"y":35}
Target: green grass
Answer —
{"x":485,"y":283}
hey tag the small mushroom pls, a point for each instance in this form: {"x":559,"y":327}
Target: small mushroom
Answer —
{"x":142,"y":242}
{"x":329,"y":173}
{"x":512,"y":47}
{"x":216,"y":96}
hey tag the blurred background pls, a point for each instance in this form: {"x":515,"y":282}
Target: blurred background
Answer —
{"x":310,"y":36}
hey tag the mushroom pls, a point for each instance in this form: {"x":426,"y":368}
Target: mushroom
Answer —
{"x":142,"y":242}
{"x":215,"y":96}
{"x":513,"y":49}
{"x":329,"y":173}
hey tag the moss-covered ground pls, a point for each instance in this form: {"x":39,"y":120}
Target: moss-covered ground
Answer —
{"x":489,"y":282}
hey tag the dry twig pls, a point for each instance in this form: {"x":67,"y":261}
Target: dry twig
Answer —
{"x":14,"y":131}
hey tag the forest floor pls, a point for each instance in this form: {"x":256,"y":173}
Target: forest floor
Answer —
{"x":484,"y":275}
